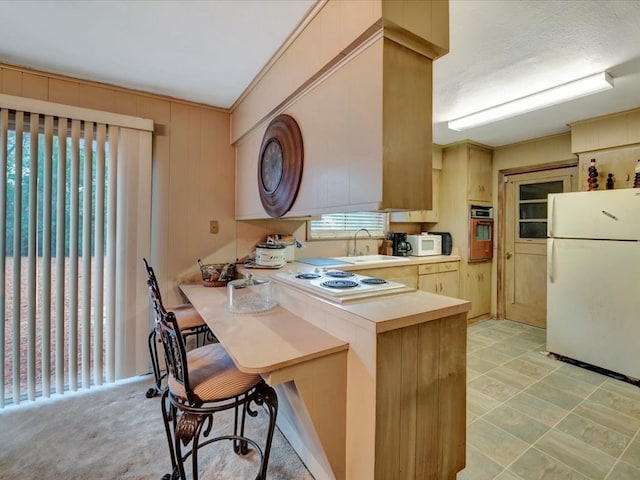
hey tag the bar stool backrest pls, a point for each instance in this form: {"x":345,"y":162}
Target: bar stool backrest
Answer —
{"x":152,"y":281}
{"x":175,"y":352}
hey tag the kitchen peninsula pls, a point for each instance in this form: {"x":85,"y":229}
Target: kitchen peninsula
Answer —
{"x":371,"y":388}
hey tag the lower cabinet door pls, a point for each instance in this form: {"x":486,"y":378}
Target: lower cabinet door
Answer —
{"x":445,"y":283}
{"x":479,"y":288}
{"x":428,"y":283}
{"x":449,"y":283}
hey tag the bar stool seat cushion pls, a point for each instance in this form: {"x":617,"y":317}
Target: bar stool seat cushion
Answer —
{"x":213,"y":376}
{"x":187,"y":316}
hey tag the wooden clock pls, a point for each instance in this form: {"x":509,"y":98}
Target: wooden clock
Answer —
{"x":280,"y":165}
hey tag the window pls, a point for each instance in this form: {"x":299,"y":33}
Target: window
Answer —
{"x":345,"y":225}
{"x":532,"y":207}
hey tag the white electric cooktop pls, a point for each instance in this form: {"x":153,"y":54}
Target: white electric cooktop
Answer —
{"x":340,"y":286}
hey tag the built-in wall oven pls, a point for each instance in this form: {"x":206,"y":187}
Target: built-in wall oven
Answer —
{"x":480,"y":233}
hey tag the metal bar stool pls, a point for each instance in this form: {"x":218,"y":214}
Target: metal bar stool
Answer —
{"x":190,"y":323}
{"x":202,"y":382}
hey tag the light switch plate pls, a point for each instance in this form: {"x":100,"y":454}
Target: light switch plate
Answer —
{"x":213,"y":226}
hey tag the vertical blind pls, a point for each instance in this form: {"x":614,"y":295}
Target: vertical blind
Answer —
{"x":345,"y":225}
{"x":75,"y":212}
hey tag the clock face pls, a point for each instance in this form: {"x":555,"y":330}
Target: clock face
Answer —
{"x":271,"y":166}
{"x":280,"y":165}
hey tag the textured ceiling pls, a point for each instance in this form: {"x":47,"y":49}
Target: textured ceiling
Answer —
{"x":209,"y":51}
{"x":502,"y":50}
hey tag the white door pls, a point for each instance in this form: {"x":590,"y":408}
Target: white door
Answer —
{"x":593,"y":300}
{"x":525,"y":249}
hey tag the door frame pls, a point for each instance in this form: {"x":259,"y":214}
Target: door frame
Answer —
{"x":502,"y":174}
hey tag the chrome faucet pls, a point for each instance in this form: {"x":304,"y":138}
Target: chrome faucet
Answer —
{"x":355,"y":238}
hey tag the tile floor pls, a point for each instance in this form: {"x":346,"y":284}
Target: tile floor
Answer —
{"x":530,"y":417}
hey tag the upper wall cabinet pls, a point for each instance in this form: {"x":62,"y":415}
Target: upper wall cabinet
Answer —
{"x":366,"y":135}
{"x":423,"y":216}
{"x":426,"y":216}
{"x":479,"y":175}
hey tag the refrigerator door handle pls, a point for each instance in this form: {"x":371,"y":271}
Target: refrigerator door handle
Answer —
{"x":550,"y":215}
{"x":550,"y":260}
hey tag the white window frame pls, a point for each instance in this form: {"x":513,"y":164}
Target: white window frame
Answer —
{"x":346,"y":225}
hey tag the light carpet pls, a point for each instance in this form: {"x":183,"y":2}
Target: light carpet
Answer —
{"x":115,"y":432}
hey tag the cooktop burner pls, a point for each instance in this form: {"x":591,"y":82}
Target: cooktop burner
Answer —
{"x":339,"y":274}
{"x":308,"y":276}
{"x":339,"y":284}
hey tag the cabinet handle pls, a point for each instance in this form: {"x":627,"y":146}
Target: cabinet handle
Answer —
{"x":508,"y":255}
{"x":550,"y":260}
{"x":551,"y":215}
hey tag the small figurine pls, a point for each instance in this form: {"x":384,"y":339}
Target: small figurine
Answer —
{"x":609,"y":181}
{"x":593,"y":176}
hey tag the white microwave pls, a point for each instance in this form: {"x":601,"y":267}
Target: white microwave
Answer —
{"x":422,"y":245}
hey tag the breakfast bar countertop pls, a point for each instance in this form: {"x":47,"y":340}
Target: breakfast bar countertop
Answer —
{"x":325,"y":356}
{"x":261,"y":342}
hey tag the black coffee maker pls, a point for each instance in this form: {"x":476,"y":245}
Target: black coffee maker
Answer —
{"x":401,"y":248}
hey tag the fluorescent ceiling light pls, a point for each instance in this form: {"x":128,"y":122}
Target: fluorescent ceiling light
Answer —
{"x":562,"y":93}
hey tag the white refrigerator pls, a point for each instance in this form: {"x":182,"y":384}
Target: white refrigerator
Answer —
{"x":593,"y":278}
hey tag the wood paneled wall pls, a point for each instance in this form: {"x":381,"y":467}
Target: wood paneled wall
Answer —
{"x":613,"y":141}
{"x":610,"y":131}
{"x":620,"y":161}
{"x":193,"y":171}
{"x":421,"y":392}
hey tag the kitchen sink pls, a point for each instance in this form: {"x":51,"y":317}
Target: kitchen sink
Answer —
{"x":366,"y":259}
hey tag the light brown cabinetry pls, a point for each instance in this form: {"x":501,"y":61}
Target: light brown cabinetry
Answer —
{"x":407,"y":359}
{"x":466,"y":177}
{"x":441,"y":278}
{"x":467,"y":180}
{"x":478,"y":281}
{"x":420,"y":401}
{"x":423,"y":216}
{"x":407,"y":275}
{"x":479,"y":175}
